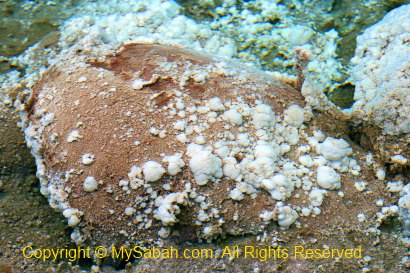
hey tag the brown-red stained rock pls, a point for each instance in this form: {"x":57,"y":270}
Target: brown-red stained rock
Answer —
{"x":105,"y":132}
{"x":103,"y":116}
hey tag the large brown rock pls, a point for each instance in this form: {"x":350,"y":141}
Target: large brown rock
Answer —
{"x":97,"y":99}
{"x":157,"y":141}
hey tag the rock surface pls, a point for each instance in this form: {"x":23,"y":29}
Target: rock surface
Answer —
{"x":117,"y":111}
{"x":158,"y":144}
{"x":381,"y":75}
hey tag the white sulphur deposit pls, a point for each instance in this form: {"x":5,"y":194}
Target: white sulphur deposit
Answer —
{"x":205,"y":167}
{"x":381,"y":73}
{"x":334,"y":149}
{"x":264,"y":149}
{"x":87,"y":159}
{"x":294,"y":115}
{"x":328,"y":178}
{"x":263,"y":116}
{"x":279,"y":186}
{"x":90,"y":184}
{"x":175,"y":163}
{"x":404,"y":210}
{"x":316,"y":197}
{"x":74,"y":136}
{"x":152,"y":171}
{"x":233,"y":117}
{"x":286,"y":216}
{"x":167,"y":207}
{"x":73,"y":216}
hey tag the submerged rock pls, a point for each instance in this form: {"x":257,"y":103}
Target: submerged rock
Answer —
{"x":157,"y":122}
{"x":381,"y":75}
{"x":159,"y":141}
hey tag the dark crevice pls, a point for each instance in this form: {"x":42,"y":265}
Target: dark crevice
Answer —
{"x":85,"y":263}
{"x":2,"y":194}
{"x":343,"y":95}
{"x":121,"y":264}
{"x":394,"y":169}
{"x":356,"y":135}
{"x":390,"y":224}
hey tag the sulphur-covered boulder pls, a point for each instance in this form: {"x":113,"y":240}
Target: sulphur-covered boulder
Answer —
{"x":157,"y":141}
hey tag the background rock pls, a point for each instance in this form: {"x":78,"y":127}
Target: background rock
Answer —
{"x":382,"y":95}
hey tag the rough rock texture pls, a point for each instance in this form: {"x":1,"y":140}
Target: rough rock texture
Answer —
{"x":382,"y":78}
{"x":131,"y":149}
{"x":100,"y":107}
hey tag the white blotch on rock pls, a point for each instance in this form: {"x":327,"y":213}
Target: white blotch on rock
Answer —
{"x":87,"y":159}
{"x":90,"y":184}
{"x":175,"y":163}
{"x":205,"y":167}
{"x":294,"y":115}
{"x":328,"y":178}
{"x":152,"y":171}
{"x":334,"y":149}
